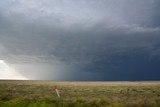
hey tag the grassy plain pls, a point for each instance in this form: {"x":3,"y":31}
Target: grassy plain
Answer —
{"x":79,"y":94}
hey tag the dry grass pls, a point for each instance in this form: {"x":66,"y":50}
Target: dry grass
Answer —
{"x":81,"y":94}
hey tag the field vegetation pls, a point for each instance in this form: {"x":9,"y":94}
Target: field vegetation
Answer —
{"x":79,"y":94}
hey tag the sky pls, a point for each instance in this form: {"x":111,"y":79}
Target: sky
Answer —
{"x":91,"y":40}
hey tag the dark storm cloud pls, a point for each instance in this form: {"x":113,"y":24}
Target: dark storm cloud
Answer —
{"x":80,"y":40}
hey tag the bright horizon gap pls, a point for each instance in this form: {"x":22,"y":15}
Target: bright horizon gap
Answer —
{"x":8,"y":73}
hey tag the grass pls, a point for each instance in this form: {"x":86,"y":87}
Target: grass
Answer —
{"x":79,"y":94}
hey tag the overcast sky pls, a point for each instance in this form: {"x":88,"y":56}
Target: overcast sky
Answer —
{"x":81,"y":39}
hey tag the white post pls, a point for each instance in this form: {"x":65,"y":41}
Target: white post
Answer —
{"x":57,"y":93}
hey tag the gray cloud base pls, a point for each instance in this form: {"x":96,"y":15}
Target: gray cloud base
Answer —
{"x":81,"y":40}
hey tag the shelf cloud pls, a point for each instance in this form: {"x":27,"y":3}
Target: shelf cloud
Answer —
{"x":81,"y":40}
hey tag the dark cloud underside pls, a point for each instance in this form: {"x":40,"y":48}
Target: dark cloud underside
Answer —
{"x":81,"y":40}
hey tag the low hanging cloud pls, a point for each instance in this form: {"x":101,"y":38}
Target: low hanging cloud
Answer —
{"x":81,"y":40}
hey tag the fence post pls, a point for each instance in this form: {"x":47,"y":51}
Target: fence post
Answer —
{"x":58,"y":96}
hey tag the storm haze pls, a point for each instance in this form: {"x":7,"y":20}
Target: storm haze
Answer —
{"x":81,"y":40}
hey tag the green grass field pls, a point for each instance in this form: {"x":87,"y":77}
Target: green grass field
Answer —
{"x":79,"y":94}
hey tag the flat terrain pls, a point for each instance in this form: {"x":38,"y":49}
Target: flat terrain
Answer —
{"x":79,"y":94}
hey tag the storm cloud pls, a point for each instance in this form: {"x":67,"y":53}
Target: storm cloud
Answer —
{"x":81,"y":40}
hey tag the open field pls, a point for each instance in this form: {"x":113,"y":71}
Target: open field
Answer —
{"x":79,"y":94}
